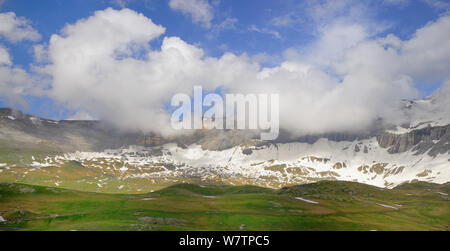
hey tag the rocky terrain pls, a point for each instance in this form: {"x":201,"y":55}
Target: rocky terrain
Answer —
{"x":90,"y":155}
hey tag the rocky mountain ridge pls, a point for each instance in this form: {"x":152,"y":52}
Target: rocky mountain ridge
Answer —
{"x":19,"y":129}
{"x":116,"y":161}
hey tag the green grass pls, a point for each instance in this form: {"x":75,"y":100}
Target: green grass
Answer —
{"x":342,"y":206}
{"x":23,"y":156}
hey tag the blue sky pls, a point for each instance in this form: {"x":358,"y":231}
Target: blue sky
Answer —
{"x":256,"y":27}
{"x":50,"y":16}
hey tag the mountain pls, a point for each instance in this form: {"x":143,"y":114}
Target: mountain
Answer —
{"x":19,"y":130}
{"x":92,"y":156}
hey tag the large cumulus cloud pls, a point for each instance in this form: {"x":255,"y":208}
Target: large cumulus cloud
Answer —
{"x":105,"y":64}
{"x":118,"y":66}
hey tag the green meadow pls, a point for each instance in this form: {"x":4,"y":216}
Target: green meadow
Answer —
{"x":326,"y":205}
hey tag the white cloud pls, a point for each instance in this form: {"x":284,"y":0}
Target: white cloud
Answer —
{"x":267,"y":31}
{"x":427,"y":54}
{"x":334,"y":41}
{"x":266,"y":58}
{"x":81,"y":115}
{"x":396,"y":2}
{"x":120,"y":3}
{"x":322,"y":11}
{"x":95,"y":67}
{"x":146,"y":4}
{"x":227,"y":24}
{"x":200,"y":10}
{"x":40,"y":53}
{"x":15,"y":82}
{"x":285,"y":20}
{"x":16,"y":29}
{"x":436,"y":4}
{"x":338,"y":26}
{"x":5,"y":59}
{"x":425,"y":57}
{"x":104,"y":65}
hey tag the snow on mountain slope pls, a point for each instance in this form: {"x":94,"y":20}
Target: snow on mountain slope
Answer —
{"x":432,"y":111}
{"x":273,"y":166}
{"x":416,"y":149}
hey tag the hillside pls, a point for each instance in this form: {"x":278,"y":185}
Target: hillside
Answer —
{"x":322,"y":206}
{"x":93,"y":156}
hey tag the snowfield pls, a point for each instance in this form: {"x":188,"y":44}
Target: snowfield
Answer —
{"x":271,"y":166}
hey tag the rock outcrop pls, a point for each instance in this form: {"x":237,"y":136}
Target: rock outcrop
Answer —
{"x":434,"y":140}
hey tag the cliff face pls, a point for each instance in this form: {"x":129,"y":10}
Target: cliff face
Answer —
{"x":436,"y":140}
{"x":19,"y":130}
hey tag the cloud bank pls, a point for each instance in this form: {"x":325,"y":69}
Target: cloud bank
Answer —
{"x":346,"y":81}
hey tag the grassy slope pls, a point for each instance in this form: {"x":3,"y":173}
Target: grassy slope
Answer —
{"x":343,"y":206}
{"x":71,"y":175}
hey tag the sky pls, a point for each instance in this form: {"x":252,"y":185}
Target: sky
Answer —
{"x":340,"y":63}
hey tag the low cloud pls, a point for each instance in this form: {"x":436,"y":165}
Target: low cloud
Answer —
{"x":81,"y":115}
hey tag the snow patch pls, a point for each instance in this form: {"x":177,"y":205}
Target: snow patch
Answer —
{"x":387,"y":206}
{"x":307,"y":201}
{"x":283,"y":164}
